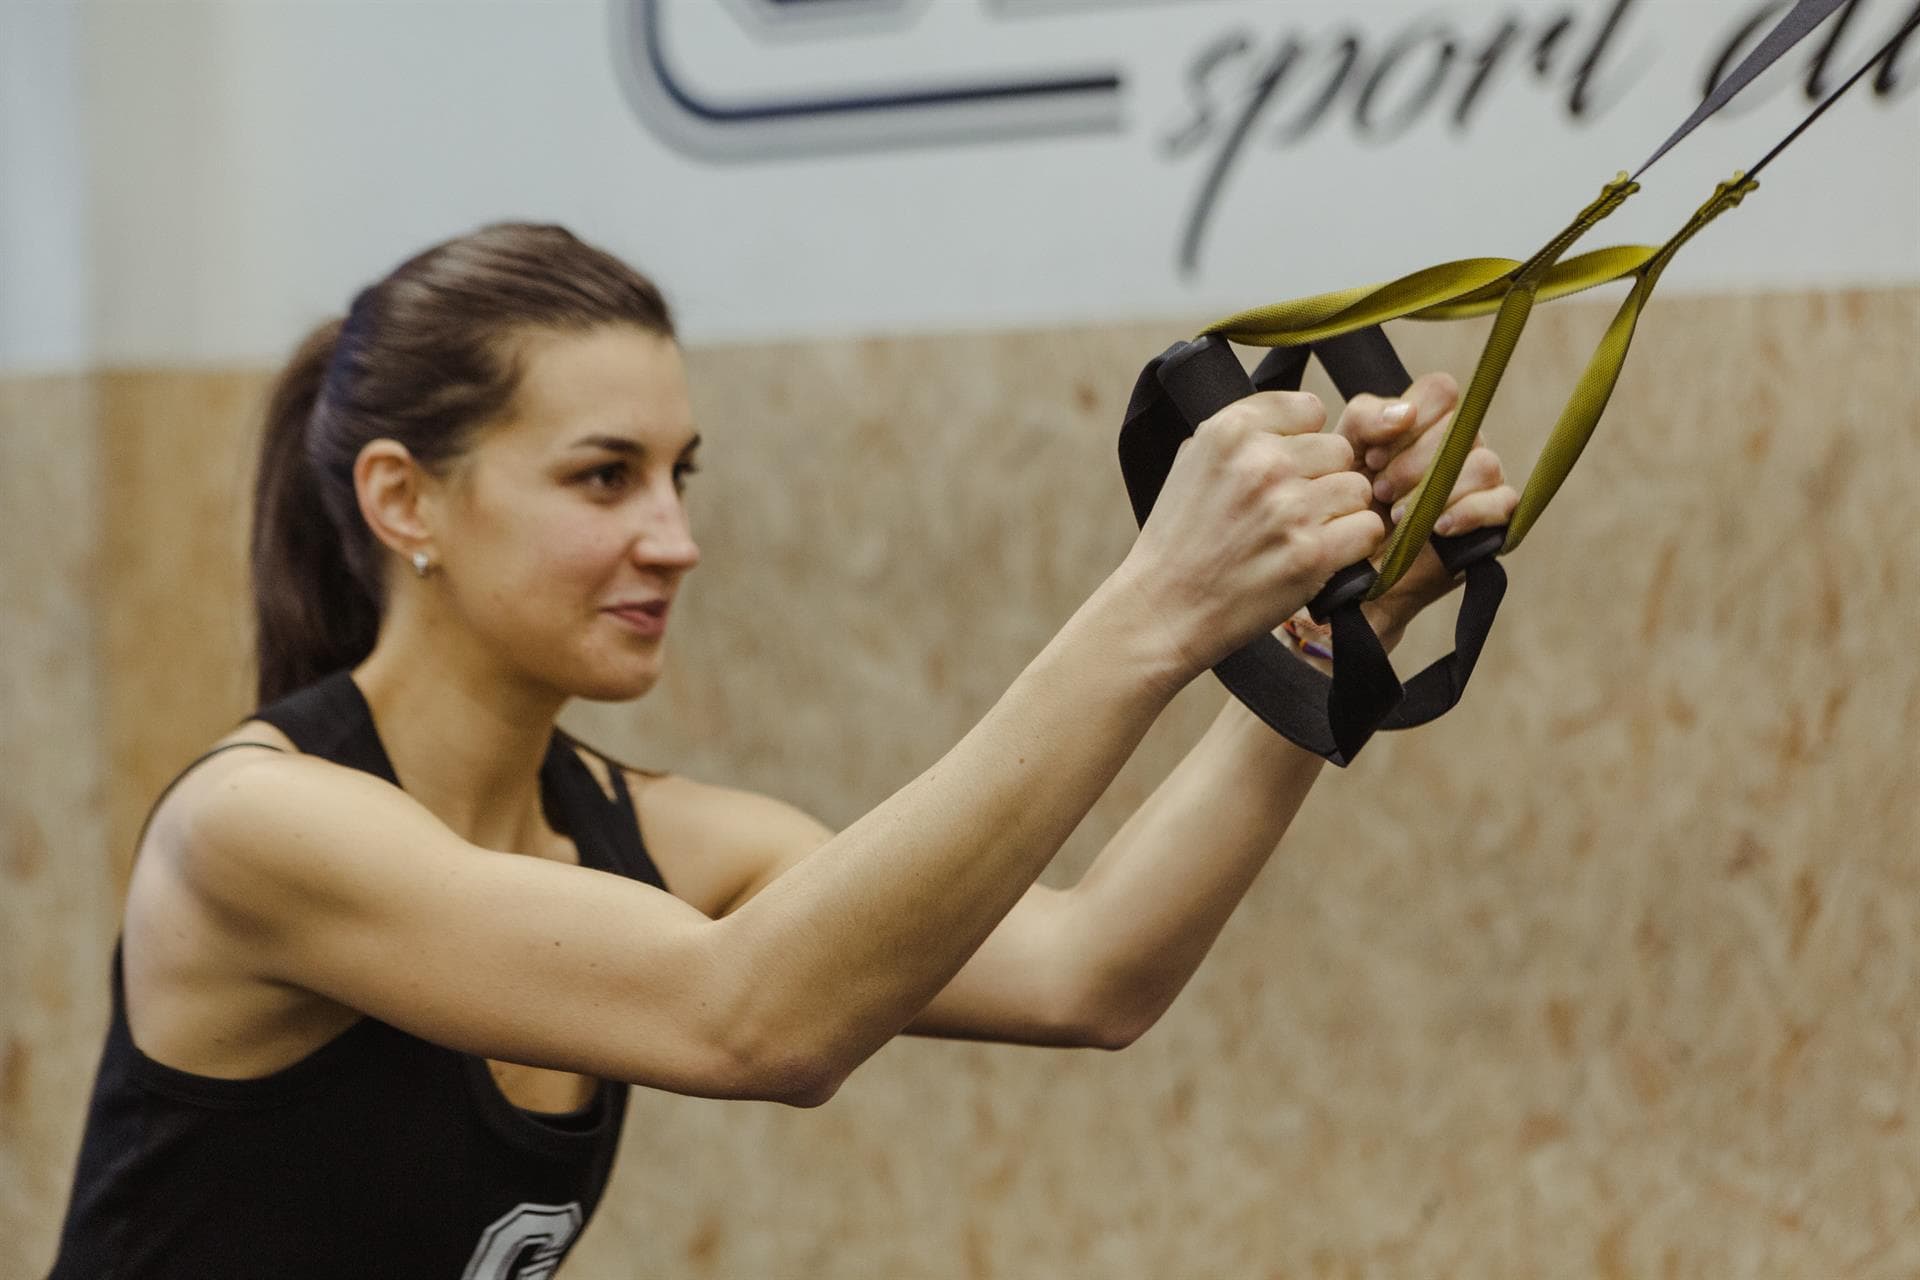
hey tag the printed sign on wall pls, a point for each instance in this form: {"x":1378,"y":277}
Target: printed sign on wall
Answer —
{"x":748,"y":80}
{"x":797,"y":168}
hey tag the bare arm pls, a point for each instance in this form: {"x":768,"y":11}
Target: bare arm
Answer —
{"x":1099,"y":963}
{"x":352,"y":891}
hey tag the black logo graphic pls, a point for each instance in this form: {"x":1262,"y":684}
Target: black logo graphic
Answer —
{"x":887,"y":111}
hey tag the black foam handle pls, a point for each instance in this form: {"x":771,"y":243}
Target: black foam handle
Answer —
{"x":1364,"y":363}
{"x":1347,"y":587}
{"x":1469,"y":549}
{"x":1203,"y":377}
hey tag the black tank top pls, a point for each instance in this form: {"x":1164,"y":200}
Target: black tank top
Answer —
{"x":377,"y":1156}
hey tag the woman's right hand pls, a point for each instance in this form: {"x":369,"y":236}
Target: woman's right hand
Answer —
{"x":1260,"y":509}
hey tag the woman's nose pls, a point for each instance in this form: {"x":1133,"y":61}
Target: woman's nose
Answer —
{"x":666,"y":541}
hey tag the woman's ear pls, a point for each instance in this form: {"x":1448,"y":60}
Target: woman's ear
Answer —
{"x":395,"y":495}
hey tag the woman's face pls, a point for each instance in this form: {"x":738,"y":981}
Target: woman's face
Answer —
{"x":563,"y":532}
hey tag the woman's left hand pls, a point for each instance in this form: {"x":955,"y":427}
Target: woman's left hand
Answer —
{"x":1393,"y":443}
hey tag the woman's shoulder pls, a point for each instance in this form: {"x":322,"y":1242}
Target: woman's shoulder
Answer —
{"x":239,"y":838}
{"x":250,"y":792}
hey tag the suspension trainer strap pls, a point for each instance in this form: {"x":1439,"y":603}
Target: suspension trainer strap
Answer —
{"x":1595,"y":388}
{"x":1191,"y":381}
{"x":1796,"y":26}
{"x":1520,"y":291}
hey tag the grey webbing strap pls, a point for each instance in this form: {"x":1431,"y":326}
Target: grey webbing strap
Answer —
{"x":1886,"y":52}
{"x":1799,"y":23}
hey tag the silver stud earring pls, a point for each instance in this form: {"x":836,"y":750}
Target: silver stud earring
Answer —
{"x":421,"y":563}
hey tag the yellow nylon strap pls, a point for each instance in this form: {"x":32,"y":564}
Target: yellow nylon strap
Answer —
{"x":1575,"y":275}
{"x":1508,"y":289}
{"x":1306,"y":320}
{"x":1590,"y":397}
{"x":1452,"y":291}
{"x":1429,"y":497}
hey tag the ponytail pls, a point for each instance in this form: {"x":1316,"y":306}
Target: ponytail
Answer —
{"x":312,"y":614}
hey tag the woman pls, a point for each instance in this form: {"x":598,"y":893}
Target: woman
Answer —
{"x":369,"y":1029}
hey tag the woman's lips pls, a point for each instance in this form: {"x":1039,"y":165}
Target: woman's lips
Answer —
{"x":646,"y":619}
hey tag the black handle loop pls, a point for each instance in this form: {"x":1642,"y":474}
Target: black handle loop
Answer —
{"x":1188,"y":384}
{"x":1365,"y":363}
{"x":1333,"y":718}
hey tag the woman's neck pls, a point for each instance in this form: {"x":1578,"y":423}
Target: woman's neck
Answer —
{"x":467,"y":741}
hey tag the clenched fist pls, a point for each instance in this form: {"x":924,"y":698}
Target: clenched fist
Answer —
{"x":1261,"y":507}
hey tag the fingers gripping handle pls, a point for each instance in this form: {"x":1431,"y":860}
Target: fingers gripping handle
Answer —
{"x":1359,"y":363}
{"x":1365,"y":363}
{"x":1204,"y":377}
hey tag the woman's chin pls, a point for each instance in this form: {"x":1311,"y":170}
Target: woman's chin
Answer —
{"x":616,"y":682}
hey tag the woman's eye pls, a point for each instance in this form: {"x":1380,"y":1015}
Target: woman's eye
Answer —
{"x":610,"y":478}
{"x":683,"y":472}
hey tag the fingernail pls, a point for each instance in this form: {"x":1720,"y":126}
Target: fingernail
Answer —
{"x":1376,"y":459}
{"x":1399,"y":513}
{"x":1382,"y":489}
{"x":1443,"y":526}
{"x":1397,"y":414}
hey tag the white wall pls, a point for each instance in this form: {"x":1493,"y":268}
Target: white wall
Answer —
{"x":43,"y":235}
{"x":252,"y":162}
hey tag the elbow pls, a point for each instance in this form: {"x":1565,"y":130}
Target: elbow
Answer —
{"x":761,"y":1073}
{"x":761,"y":1044}
{"x":1112,"y":1015}
{"x":775,"y":1060}
{"x":800,"y":1082}
{"x":1114,"y":1030}
{"x":814,"y":1092}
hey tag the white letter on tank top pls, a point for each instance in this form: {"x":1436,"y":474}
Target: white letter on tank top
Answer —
{"x":526,"y":1244}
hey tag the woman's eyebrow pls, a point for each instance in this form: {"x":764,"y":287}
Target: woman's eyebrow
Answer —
{"x":612,"y":444}
{"x":626,"y":445}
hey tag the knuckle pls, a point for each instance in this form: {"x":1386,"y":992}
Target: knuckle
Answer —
{"x":1264,"y":467}
{"x":1311,"y":409}
{"x":1281,"y":462}
{"x":1295,"y":412}
{"x":1344,"y":491}
{"x":1236,"y":420}
{"x":1443,"y":384}
{"x":1216,"y":429}
{"x":1284,"y":507}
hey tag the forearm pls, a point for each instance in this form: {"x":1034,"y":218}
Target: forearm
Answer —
{"x":845,"y":948}
{"x":1154,"y":901}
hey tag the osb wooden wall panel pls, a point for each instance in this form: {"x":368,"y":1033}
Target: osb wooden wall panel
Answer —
{"x":57,"y":897}
{"x":173,"y":625}
{"x":1610,"y":974}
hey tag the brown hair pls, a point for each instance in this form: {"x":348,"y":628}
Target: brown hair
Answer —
{"x":424,"y":357}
